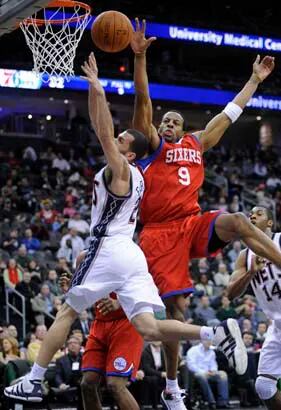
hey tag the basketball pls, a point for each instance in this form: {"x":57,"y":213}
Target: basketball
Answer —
{"x":112,"y":31}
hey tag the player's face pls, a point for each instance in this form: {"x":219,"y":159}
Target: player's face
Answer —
{"x":171,"y":126}
{"x":259,"y":218}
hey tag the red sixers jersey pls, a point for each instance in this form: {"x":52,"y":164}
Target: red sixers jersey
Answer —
{"x":115,"y":315}
{"x":173,"y":175}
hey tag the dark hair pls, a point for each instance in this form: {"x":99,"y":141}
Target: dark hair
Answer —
{"x":248,"y":333}
{"x":140,"y":144}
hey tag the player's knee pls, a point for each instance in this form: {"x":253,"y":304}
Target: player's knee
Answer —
{"x":66,"y":313}
{"x":148,"y":333}
{"x":90,"y":383}
{"x":266,"y":388}
{"x":116,"y":386}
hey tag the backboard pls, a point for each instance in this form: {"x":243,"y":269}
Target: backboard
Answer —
{"x":12,"y":12}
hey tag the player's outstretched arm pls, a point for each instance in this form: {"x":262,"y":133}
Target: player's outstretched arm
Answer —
{"x":219,"y":124}
{"x":102,"y":123}
{"x":143,"y":113}
{"x":241,"y":277}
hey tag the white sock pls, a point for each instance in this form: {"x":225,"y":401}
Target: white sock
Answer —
{"x":172,"y":385}
{"x":206,"y":333}
{"x":37,"y":372}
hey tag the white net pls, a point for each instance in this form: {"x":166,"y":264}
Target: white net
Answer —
{"x":53,"y":39}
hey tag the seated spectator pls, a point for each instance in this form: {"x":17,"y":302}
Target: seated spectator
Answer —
{"x":52,"y":282}
{"x":205,"y":285}
{"x":10,"y":347}
{"x":30,"y":338}
{"x":31,"y":243}
{"x":261,"y":334}
{"x":82,"y":323}
{"x":273,"y":182}
{"x":68,"y":373}
{"x":235,"y":205}
{"x":226,"y":311}
{"x":12,"y":274}
{"x":153,"y":366}
{"x":205,"y":314}
{"x":201,"y":361}
{"x":221,"y":278}
{"x":47,"y":214}
{"x":60,"y":163}
{"x":59,"y":223}
{"x":35,"y":272}
{"x":22,"y":256}
{"x":34,"y":345}
{"x":81,"y":226}
{"x":234,"y":253}
{"x":76,"y":242}
{"x":69,"y":210}
{"x":12,"y":331}
{"x":12,"y":243}
{"x":66,"y":252}
{"x":42,"y":305}
{"x":260,"y":170}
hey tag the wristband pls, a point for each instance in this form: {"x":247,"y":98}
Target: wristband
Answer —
{"x":233,"y":111}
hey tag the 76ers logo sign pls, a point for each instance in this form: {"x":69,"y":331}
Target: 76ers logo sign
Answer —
{"x":120,"y":363}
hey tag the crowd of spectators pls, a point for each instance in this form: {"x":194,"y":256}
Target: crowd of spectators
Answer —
{"x":45,"y":209}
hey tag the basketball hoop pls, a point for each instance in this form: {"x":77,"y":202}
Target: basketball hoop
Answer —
{"x":53,"y":34}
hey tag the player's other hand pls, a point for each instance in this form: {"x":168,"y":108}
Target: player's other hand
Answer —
{"x":262,"y":68}
{"x":139,"y":43}
{"x":257,"y":264}
{"x":107,"y":305}
{"x":64,"y":281}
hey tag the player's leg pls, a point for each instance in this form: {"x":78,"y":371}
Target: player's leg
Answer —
{"x":266,"y":387}
{"x":174,"y":310}
{"x":89,"y":387}
{"x":167,"y":259}
{"x":269,"y":369}
{"x":227,"y":336}
{"x":87,"y":286}
{"x":237,"y":226}
{"x":118,"y":388}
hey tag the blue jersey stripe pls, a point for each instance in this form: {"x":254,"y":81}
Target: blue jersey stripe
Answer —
{"x":111,"y":208}
{"x":143,"y":163}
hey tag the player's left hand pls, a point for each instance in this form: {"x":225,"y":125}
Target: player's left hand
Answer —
{"x":139,"y":43}
{"x":262,"y":69}
{"x":107,"y":305}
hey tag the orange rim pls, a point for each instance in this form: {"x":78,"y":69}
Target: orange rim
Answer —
{"x":62,"y":3}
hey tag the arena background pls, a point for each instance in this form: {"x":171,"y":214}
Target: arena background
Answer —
{"x":41,"y":127}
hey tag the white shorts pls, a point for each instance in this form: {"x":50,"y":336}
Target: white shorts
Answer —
{"x":270,"y":356}
{"x":115,"y":264}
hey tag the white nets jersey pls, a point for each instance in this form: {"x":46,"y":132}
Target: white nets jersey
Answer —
{"x":111,"y":214}
{"x":266,"y":285}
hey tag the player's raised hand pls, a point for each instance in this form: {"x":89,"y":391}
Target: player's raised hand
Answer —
{"x":139,"y":43}
{"x":257,"y":264}
{"x":107,"y":305}
{"x":90,"y":68}
{"x":262,"y":68}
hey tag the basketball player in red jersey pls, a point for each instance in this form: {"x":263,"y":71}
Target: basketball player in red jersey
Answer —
{"x":107,"y":353}
{"x":174,"y":229}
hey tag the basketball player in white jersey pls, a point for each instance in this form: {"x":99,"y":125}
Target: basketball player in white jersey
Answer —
{"x":265,"y":280}
{"x":114,"y":263}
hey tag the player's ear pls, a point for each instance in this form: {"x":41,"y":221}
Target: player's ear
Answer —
{"x":270,"y":223}
{"x":131,"y":156}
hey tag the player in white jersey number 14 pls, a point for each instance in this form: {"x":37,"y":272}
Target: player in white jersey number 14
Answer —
{"x":114,"y":262}
{"x":265,"y":280}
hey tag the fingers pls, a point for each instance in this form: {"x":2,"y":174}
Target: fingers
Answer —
{"x":150,"y":40}
{"x":143,"y":26}
{"x":257,"y":60}
{"x":137,"y":24}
